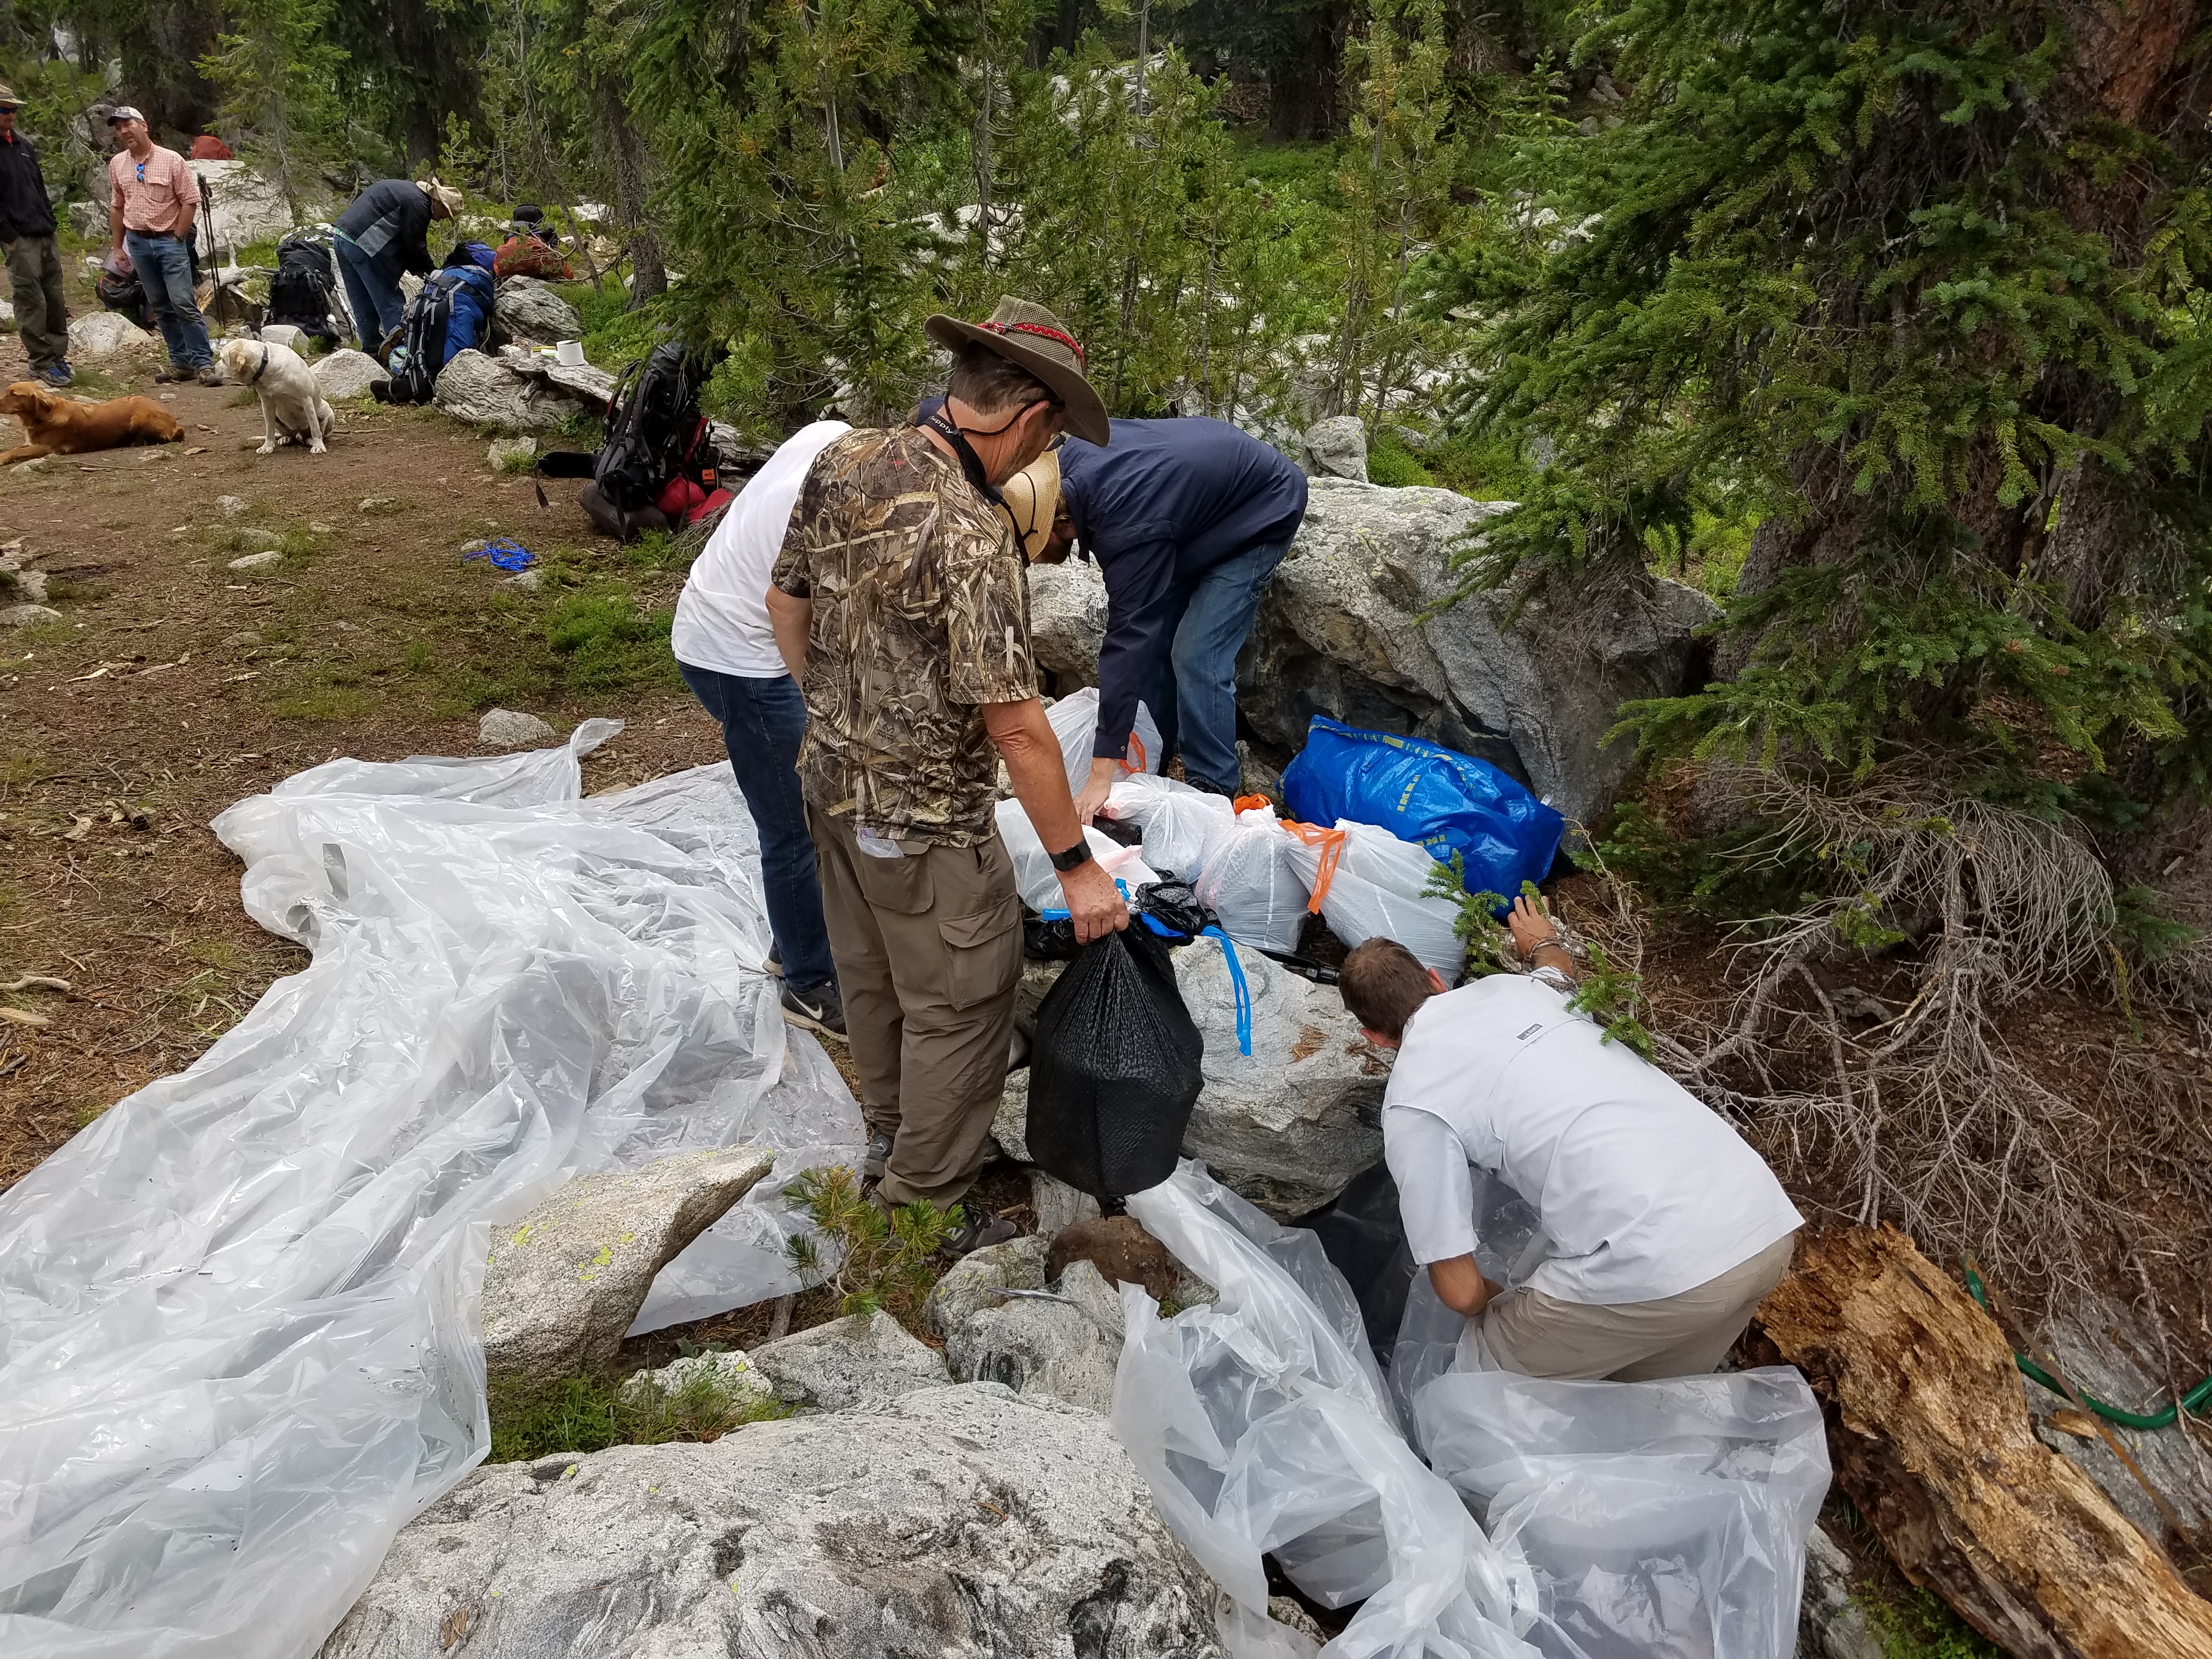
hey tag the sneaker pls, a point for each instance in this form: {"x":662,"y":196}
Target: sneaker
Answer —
{"x":820,"y":1009}
{"x":210,"y":375}
{"x":775,"y":960}
{"x":57,"y":375}
{"x":879,"y":1154}
{"x":979,"y":1232}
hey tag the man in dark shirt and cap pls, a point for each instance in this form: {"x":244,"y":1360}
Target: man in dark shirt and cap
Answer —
{"x":383,"y":233}
{"x":34,"y":266}
{"x":1188,"y":520}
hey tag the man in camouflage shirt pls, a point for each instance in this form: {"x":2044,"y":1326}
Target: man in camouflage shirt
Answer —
{"x":901,"y":606}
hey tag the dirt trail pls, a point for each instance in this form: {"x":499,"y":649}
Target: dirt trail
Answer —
{"x":174,"y":686}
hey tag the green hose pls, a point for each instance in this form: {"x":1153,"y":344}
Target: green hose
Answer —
{"x":2192,"y":1402}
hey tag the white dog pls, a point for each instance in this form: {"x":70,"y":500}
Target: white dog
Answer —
{"x":293,"y":408}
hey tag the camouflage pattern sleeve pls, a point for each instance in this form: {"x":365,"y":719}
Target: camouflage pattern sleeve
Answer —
{"x":791,"y":574}
{"x":986,"y":623}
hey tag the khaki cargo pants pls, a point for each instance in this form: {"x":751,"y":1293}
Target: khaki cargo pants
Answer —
{"x":1684,"y":1335}
{"x":928,"y":950}
{"x":34,"y":275}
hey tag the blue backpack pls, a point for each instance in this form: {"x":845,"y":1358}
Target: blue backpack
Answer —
{"x":449,"y":314}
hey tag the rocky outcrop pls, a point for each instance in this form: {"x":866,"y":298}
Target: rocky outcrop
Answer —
{"x":1034,"y":1346}
{"x":1289,"y":1126}
{"x":959,"y":1523}
{"x":347,"y":374}
{"x":488,"y":391}
{"x":1067,"y":621}
{"x":103,"y":333}
{"x":527,"y":311}
{"x":966,"y":1289}
{"x":861,"y":1359}
{"x":564,"y":1283}
{"x":1337,"y":448}
{"x":246,"y":207}
{"x":510,"y":728}
{"x":1340,"y":632}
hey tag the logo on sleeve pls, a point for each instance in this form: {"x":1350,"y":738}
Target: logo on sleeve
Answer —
{"x":1522,"y":1036}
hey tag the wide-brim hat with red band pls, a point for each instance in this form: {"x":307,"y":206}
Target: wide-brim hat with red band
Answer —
{"x":1030,"y":336}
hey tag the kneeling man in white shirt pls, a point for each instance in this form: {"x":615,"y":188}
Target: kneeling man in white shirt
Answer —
{"x":1666,"y":1230}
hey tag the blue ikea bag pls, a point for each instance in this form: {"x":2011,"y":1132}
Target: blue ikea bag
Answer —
{"x":1434,"y":797}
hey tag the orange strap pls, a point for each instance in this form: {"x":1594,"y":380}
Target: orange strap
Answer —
{"x":1331,"y":842}
{"x":1250,"y":803}
{"x":1137,"y":743}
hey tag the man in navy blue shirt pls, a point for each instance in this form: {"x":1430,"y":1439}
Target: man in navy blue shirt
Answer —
{"x":1188,"y":520}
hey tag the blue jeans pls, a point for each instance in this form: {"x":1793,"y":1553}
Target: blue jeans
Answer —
{"x":164,"y":265}
{"x":763,"y":721}
{"x":374,"y":298}
{"x":1193,"y":695}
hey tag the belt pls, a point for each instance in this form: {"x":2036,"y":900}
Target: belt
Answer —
{"x":152,"y":236}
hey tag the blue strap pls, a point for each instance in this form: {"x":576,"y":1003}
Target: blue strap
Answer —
{"x":507,"y":554}
{"x":1243,"y":991}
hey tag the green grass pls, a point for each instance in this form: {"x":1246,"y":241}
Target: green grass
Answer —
{"x":614,"y":335}
{"x":1490,"y":470}
{"x":606,"y":644}
{"x":582,"y":1414}
{"x":1390,"y":461}
{"x":324,"y":691}
{"x":1918,"y":1623}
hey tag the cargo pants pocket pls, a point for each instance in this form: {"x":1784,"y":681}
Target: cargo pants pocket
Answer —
{"x":982,"y":953}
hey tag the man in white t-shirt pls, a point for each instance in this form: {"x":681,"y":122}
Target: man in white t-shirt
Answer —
{"x":1665,"y":1231}
{"x":727,"y":651}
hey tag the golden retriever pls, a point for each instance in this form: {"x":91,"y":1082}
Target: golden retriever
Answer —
{"x":61,"y":426}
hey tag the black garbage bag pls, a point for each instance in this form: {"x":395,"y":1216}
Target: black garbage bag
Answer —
{"x":1114,"y":1072}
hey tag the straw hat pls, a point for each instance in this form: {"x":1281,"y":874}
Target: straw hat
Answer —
{"x":8,"y":99}
{"x":1029,"y":500}
{"x":1031,"y":336}
{"x":444,"y":195}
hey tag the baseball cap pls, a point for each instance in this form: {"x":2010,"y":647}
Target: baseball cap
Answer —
{"x":126,"y":113}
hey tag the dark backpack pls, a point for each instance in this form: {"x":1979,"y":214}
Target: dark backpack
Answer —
{"x":445,"y":317}
{"x":300,"y":292}
{"x":654,"y":431}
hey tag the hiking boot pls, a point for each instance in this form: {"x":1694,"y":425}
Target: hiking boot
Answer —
{"x":879,"y":1154}
{"x":210,"y":375}
{"x":775,"y":960}
{"x":979,"y":1230}
{"x":820,"y":1009}
{"x":59,"y":375}
{"x":169,"y":374}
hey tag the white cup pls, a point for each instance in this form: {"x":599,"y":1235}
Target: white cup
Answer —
{"x":569,"y":353}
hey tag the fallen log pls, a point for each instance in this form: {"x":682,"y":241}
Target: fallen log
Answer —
{"x":1930,"y":1435}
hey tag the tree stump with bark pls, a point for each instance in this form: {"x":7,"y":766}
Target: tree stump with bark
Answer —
{"x":1929,"y":1435}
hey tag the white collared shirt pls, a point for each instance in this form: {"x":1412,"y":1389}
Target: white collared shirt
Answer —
{"x":1643,"y":1190}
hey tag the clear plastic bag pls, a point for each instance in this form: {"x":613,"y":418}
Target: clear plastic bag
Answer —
{"x":1371,"y":885}
{"x":1075,"y":722}
{"x":1252,"y":883}
{"x":1035,"y":879}
{"x":1260,"y":1425}
{"x":1661,"y":1519}
{"x":239,"y":1334}
{"x":1181,"y":825}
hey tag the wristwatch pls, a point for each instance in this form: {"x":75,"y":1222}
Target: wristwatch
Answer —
{"x":1074,"y":858}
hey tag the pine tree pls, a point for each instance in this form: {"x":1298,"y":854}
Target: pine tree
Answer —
{"x":1921,"y":293}
{"x":280,"y":79}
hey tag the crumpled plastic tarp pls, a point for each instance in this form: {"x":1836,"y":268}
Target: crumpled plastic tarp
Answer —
{"x":1662,"y":1520}
{"x":1260,"y":1425}
{"x":238,"y":1322}
{"x":1624,"y":1520}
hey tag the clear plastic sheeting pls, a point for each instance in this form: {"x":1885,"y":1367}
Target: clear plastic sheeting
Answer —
{"x":1252,"y":882}
{"x":1260,"y":1425}
{"x":238,"y":1323}
{"x":1035,"y":879}
{"x":1075,"y":722}
{"x":1181,"y":825}
{"x":1662,"y":1520}
{"x":1375,"y":886}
